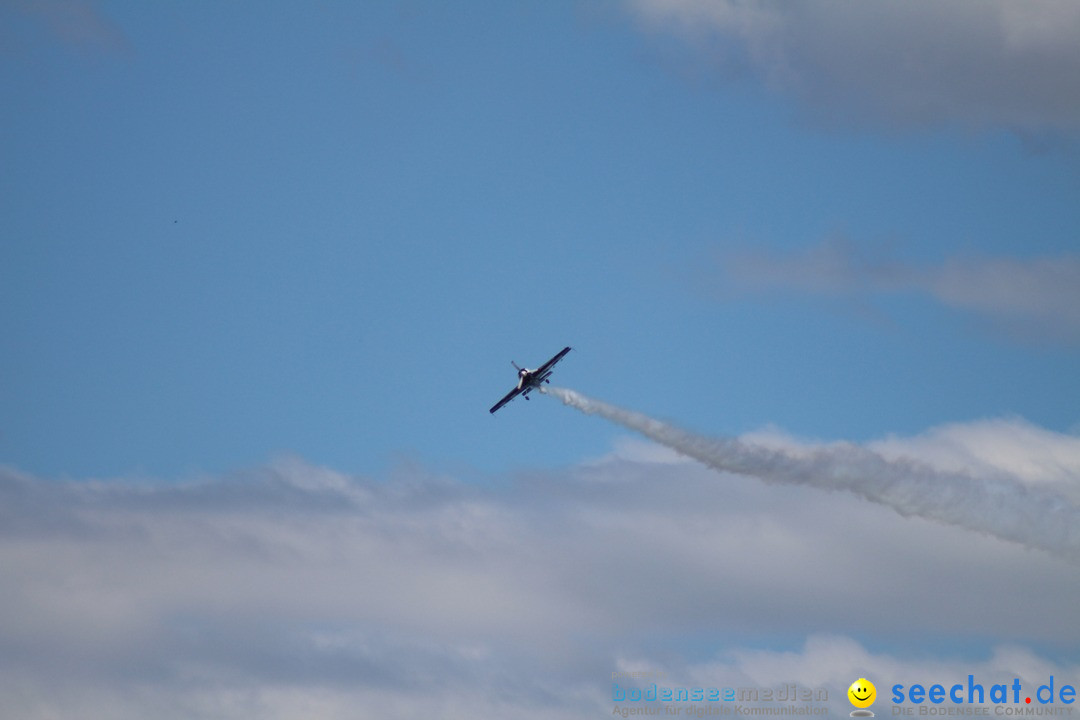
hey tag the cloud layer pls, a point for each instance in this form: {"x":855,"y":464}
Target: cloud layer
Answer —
{"x":976,"y":64}
{"x":294,"y":591}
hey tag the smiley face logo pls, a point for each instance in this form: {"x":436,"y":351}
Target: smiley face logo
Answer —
{"x":862,"y":693}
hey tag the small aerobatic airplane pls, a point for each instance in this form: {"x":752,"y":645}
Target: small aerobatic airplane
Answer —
{"x":528,"y":380}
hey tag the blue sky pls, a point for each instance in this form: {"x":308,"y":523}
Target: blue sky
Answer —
{"x":377,"y":207}
{"x":237,"y":238}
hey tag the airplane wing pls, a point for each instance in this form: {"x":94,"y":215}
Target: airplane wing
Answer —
{"x":540,"y":371}
{"x":509,"y":396}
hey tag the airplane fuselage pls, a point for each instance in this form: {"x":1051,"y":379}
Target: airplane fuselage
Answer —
{"x":529,"y":379}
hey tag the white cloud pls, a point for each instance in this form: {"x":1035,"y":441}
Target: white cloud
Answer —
{"x":292,"y":591}
{"x":1040,"y":295}
{"x":1036,"y":455}
{"x":1029,"y":298}
{"x":897,"y":63}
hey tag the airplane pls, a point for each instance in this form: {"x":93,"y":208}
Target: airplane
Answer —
{"x":528,"y":380}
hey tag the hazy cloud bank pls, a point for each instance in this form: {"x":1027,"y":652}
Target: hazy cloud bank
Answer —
{"x":76,"y":24}
{"x":977,"y":64}
{"x":292,"y":591}
{"x":1029,"y":298}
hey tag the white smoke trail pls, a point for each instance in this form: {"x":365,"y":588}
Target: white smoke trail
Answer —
{"x":1000,"y":506}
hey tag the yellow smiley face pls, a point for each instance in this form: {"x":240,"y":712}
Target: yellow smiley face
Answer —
{"x":862,"y":693}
